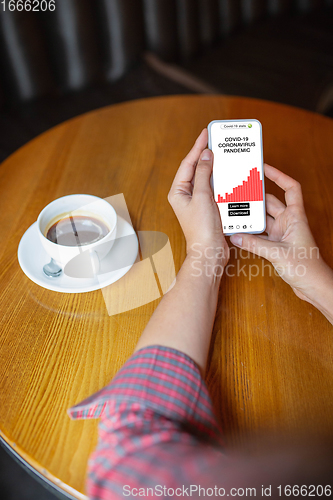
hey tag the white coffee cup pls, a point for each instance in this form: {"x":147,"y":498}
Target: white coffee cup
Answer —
{"x":74,"y":205}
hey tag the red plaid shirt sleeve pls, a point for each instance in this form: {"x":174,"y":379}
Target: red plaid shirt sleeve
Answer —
{"x":157,"y":430}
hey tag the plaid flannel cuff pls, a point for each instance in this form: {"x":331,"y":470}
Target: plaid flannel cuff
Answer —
{"x":162,"y":379}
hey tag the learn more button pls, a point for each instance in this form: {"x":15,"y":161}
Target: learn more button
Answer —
{"x":237,"y":206}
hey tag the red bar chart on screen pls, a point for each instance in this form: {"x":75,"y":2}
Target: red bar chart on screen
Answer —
{"x":249,"y":190}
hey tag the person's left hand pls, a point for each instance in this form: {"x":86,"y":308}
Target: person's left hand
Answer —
{"x":192,"y":200}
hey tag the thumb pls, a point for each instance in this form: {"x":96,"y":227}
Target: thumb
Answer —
{"x":259,"y":245}
{"x":203,"y":173}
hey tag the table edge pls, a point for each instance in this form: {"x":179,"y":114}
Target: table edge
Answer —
{"x":62,"y":490}
{"x":168,"y":97}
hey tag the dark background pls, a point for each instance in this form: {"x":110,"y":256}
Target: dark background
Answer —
{"x":92,"y":53}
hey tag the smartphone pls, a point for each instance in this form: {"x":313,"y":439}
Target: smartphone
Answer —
{"x":238,"y":174}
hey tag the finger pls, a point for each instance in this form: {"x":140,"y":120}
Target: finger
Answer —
{"x":269,"y":224}
{"x":261,"y":236}
{"x":186,"y":169}
{"x":292,"y":188}
{"x":203,"y":174}
{"x":274,"y":206}
{"x":257,"y":244}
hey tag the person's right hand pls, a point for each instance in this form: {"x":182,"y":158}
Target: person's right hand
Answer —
{"x":289,"y":244}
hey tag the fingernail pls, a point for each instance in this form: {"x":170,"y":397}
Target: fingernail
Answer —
{"x":206,"y":155}
{"x":236,"y":239}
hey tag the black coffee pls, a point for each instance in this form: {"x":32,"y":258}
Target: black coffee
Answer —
{"x":77,"y":230}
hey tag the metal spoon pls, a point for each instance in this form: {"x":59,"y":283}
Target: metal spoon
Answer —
{"x":52,"y":270}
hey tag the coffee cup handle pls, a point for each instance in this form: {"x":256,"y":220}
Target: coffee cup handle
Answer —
{"x":95,"y":262}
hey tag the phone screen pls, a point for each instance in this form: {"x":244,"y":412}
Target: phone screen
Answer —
{"x":238,"y":177}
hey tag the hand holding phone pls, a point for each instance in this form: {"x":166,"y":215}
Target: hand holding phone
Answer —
{"x":191,"y":199}
{"x":238,"y":174}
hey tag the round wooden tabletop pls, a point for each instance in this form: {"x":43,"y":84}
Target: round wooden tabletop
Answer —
{"x":271,"y":359}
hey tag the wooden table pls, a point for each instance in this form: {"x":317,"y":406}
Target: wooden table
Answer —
{"x":271,"y":358}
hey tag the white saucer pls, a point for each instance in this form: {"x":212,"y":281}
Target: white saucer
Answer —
{"x":32,"y":257}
